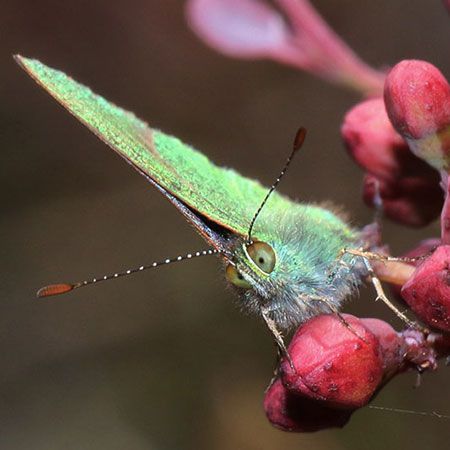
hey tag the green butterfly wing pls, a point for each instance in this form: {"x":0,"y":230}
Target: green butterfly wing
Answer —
{"x":220,"y":194}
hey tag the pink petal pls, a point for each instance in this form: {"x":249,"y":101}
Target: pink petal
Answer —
{"x":239,"y":28}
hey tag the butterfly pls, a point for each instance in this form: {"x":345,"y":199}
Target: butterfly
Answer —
{"x":283,"y":259}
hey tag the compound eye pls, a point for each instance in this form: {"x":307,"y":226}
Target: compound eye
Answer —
{"x":235,"y":277}
{"x":262,"y":255}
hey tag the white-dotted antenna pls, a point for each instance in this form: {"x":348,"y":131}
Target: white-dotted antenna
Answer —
{"x":298,"y":142}
{"x":62,"y":288}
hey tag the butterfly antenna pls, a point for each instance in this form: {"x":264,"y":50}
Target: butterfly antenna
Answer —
{"x":298,"y":142}
{"x":62,"y":288}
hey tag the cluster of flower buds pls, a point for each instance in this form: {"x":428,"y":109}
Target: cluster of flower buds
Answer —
{"x":400,"y":136}
{"x":417,"y":103}
{"x":402,"y":141}
{"x":405,"y":185}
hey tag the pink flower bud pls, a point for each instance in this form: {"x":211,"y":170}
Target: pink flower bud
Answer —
{"x":291,"y":412}
{"x":372,"y":141}
{"x":412,"y":201}
{"x":417,"y":98}
{"x":374,"y":144}
{"x":427,"y":292}
{"x":392,"y":347}
{"x":333,"y":364}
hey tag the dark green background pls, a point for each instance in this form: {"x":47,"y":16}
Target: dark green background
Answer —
{"x":164,"y":360}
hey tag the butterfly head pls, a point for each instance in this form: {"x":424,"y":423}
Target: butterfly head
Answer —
{"x":256,"y":260}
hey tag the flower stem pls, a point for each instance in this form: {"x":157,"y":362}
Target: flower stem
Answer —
{"x":327,"y":54}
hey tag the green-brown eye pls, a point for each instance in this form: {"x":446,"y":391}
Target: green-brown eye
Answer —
{"x":235,"y":277}
{"x":262,"y":255}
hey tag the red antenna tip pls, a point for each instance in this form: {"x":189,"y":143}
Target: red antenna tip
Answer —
{"x":54,"y":289}
{"x":299,"y":138}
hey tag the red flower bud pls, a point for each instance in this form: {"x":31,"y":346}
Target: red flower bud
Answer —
{"x":417,"y":98}
{"x":291,"y":412}
{"x":333,"y":364}
{"x":374,"y":144}
{"x":412,"y":201}
{"x":424,"y":249}
{"x":392,"y":346}
{"x":427,"y":292}
{"x":372,"y":141}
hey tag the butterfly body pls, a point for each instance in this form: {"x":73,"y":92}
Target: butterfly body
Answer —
{"x":309,"y":274}
{"x":309,"y":277}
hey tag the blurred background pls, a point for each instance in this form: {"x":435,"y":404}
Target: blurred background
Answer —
{"x":164,"y":360}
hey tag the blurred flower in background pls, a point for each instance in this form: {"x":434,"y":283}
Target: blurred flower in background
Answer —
{"x":252,"y":29}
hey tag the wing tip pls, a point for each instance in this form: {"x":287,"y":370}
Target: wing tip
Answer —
{"x":19,"y":58}
{"x":24,"y":62}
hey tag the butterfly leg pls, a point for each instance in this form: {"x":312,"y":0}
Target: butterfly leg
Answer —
{"x":381,"y":257}
{"x":276,"y":369}
{"x":382,"y":296}
{"x":349,"y":326}
{"x":276,"y":333}
{"x":339,"y":315}
{"x":367,"y":256}
{"x":393,"y":270}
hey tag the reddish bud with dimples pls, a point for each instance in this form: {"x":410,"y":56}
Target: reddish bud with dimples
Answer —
{"x":427,"y":292}
{"x":334,"y":364}
{"x":391,"y":347}
{"x":374,"y":144}
{"x":417,"y":98}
